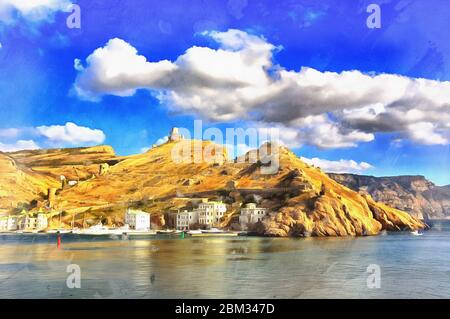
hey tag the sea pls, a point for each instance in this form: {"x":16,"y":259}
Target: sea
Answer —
{"x":390,"y":265}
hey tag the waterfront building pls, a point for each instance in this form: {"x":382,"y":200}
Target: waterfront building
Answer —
{"x":13,"y":223}
{"x":251,"y":214}
{"x":41,"y":222}
{"x":184,"y":219}
{"x":210,"y":213}
{"x":3,"y":223}
{"x":137,"y":219}
{"x":31,"y":222}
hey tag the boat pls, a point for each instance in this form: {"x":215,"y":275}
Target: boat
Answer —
{"x":220,"y":234}
{"x":213,"y":231}
{"x":31,"y":231}
{"x":61,"y":231}
{"x":140,"y":233}
{"x":168,"y":231}
{"x":416,"y":233}
{"x":194,"y":232}
{"x":99,"y":229}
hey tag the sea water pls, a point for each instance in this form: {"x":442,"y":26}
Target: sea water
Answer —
{"x":410,"y":266}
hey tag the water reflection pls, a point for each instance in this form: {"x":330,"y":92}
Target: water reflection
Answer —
{"x":412,"y":267}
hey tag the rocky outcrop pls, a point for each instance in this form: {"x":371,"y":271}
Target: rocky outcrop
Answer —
{"x":174,"y":135}
{"x":303,"y":200}
{"x":414,"y":194}
{"x":51,"y":195}
{"x":19,"y":184}
{"x":103,"y":169}
{"x":331,"y":215}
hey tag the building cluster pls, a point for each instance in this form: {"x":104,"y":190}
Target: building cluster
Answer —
{"x":137,"y":220}
{"x":25,"y":222}
{"x":251,"y":214}
{"x":207,"y":214}
{"x":210,"y":214}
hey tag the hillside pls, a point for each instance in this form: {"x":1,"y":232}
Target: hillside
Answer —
{"x":413,"y":194}
{"x":303,"y":199}
{"x":20,"y":185}
{"x":73,"y":163}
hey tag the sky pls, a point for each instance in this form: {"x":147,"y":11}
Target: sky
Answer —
{"x":345,"y":97}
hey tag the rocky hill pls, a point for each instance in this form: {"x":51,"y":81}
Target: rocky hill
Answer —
{"x":413,"y":194}
{"x":303,"y":200}
{"x":19,"y":185}
{"x":73,"y":163}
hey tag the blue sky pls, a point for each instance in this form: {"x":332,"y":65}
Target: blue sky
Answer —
{"x":38,"y":80}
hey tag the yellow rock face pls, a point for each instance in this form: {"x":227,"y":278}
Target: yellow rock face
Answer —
{"x":19,"y":184}
{"x":303,"y":200}
{"x":333,"y":211}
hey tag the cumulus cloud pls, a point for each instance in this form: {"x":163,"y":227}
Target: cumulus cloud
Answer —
{"x":341,"y":166}
{"x":162,"y":140}
{"x":158,"y":142}
{"x":67,"y":135}
{"x":117,"y":69}
{"x":32,"y":10}
{"x":71,"y":134}
{"x":240,"y":81}
{"x":19,"y":145}
{"x":9,"y":132}
{"x":145,"y":149}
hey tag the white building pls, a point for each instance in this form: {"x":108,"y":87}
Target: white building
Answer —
{"x":12,"y":223}
{"x":210,"y":213}
{"x":250,"y":214}
{"x":41,"y":222}
{"x":72,"y":183}
{"x":29,"y":222}
{"x":3,"y":223}
{"x":185,"y":218}
{"x":137,"y":219}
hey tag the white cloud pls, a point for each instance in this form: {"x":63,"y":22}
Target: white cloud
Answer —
{"x":162,"y":140}
{"x":19,"y":145}
{"x":239,"y":81}
{"x":145,"y":149}
{"x":32,"y":10}
{"x":117,"y":69}
{"x":341,"y":166}
{"x":67,"y":135}
{"x":425,"y":133}
{"x":9,"y":132}
{"x":71,"y":134}
{"x":326,"y":133}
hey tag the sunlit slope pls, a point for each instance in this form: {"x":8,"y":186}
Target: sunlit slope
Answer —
{"x":73,"y":163}
{"x":331,"y":209}
{"x":306,"y":201}
{"x":19,"y":184}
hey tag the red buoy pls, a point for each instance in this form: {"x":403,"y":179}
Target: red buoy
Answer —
{"x":59,"y":240}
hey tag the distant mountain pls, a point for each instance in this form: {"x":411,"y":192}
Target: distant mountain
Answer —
{"x":303,"y":200}
{"x":413,"y":194}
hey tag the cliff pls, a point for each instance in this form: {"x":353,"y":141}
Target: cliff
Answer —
{"x":413,"y":194}
{"x":303,"y":200}
{"x":19,"y":184}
